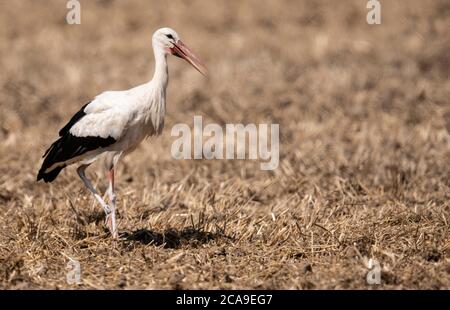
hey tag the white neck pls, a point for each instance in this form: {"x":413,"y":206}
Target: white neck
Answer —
{"x":161,"y":75}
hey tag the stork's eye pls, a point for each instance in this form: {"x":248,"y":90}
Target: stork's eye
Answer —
{"x":169,"y":36}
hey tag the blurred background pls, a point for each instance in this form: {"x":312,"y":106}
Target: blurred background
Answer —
{"x":364,"y":120}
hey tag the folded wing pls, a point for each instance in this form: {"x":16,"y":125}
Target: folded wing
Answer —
{"x":96,"y":125}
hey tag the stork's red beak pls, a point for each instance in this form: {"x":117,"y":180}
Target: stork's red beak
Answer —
{"x":182,"y":51}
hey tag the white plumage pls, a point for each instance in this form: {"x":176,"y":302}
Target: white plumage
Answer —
{"x":116,"y":122}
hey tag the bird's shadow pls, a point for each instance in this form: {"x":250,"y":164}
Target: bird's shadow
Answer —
{"x":171,"y":238}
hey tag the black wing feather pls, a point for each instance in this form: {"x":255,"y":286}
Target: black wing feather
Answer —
{"x":69,"y":146}
{"x":77,"y":116}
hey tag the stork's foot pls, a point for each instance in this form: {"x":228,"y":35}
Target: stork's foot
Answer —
{"x":110,"y":222}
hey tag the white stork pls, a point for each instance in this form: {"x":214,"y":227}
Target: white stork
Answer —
{"x":115,"y":123}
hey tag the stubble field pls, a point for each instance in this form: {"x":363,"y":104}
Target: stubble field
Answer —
{"x":364,"y":170}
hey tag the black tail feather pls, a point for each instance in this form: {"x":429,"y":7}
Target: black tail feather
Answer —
{"x":51,"y":157}
{"x":51,"y":176}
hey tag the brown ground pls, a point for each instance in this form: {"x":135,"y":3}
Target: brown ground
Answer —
{"x":364,"y":169}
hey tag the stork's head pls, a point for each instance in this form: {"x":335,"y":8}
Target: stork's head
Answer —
{"x":168,"y":41}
